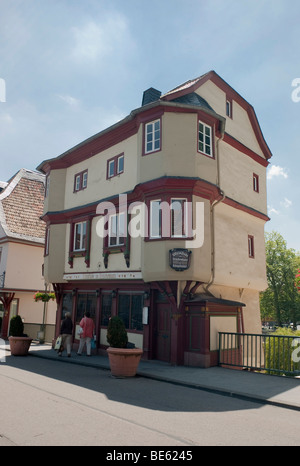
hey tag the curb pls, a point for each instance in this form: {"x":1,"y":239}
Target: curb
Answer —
{"x":216,"y":391}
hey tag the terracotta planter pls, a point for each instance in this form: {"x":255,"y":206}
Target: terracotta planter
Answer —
{"x":19,"y":346}
{"x":124,"y":361}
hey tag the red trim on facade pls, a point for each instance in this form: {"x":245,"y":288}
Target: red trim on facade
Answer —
{"x":167,"y":186}
{"x":245,"y":150}
{"x":246,"y":209}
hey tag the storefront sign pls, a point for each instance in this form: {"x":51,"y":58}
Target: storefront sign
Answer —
{"x":180,"y":259}
{"x":104,"y":276}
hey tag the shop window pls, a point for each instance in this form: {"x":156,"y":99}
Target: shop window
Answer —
{"x":106,"y":303}
{"x":86,"y":302}
{"x":130,"y":310}
{"x":66,"y":304}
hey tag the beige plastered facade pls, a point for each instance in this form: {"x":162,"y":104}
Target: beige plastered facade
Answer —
{"x":222,"y":263}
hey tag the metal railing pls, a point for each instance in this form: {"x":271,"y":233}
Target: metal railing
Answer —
{"x":273,"y":354}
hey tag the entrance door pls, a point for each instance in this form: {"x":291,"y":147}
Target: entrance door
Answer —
{"x":162,"y":331}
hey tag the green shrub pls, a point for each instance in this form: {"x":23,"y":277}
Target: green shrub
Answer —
{"x":116,"y":333}
{"x":16,"y":327}
{"x":279,"y":352}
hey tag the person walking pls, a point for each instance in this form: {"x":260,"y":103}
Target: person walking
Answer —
{"x":66,"y":330}
{"x":88,"y":326}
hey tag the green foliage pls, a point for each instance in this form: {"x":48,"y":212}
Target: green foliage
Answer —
{"x":16,"y":327}
{"x":280,"y":352}
{"x":281,"y":301}
{"x":116,"y":333}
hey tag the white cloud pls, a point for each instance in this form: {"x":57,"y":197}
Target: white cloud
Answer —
{"x":72,"y":101}
{"x":286,"y":203}
{"x":95,"y":41}
{"x":271,"y":210}
{"x":276,"y":170}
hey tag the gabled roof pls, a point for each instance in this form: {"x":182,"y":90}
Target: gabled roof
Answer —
{"x":21,"y":206}
{"x":182,"y":96}
{"x":192,"y":85}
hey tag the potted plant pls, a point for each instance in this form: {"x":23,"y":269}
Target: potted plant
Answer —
{"x":43,"y":296}
{"x":19,"y":343}
{"x":123,"y":358}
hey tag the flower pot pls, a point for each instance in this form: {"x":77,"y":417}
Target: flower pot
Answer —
{"x":124,"y":361}
{"x":19,"y":346}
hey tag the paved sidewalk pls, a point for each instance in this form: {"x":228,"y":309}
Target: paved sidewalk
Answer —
{"x":270,"y":389}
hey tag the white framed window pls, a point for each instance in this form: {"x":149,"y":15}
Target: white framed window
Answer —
{"x":152,"y":136}
{"x":84,"y":180}
{"x":255,"y":183}
{"x":205,"y":144}
{"x":115,"y":166}
{"x":251,"y":246}
{"x":80,"y":230}
{"x":47,"y":240}
{"x":229,"y":108}
{"x":179,"y":218}
{"x":116,"y":230}
{"x":80,"y":181}
{"x":111,"y":168}
{"x":77,"y":182}
{"x":155,"y":219}
{"x":120,"y":167}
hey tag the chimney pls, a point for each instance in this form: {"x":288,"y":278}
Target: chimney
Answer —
{"x":150,"y":95}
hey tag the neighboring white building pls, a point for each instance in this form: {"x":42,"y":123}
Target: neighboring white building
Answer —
{"x":22,"y":240}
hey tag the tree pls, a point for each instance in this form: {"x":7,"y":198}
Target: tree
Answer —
{"x":281,"y":300}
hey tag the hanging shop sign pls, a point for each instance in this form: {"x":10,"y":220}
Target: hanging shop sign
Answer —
{"x":180,"y":259}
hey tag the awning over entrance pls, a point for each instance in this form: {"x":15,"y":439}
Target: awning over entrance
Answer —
{"x":203,"y":299}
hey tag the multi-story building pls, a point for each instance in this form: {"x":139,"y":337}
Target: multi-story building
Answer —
{"x":22,"y":239}
{"x":160,"y":219}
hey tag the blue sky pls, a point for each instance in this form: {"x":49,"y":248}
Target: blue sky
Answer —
{"x":73,"y":67}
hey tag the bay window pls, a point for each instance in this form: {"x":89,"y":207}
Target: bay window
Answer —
{"x":116,"y":230}
{"x":169,"y":218}
{"x":80,"y":230}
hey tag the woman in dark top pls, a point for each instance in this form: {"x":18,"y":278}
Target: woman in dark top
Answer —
{"x":66,"y":330}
